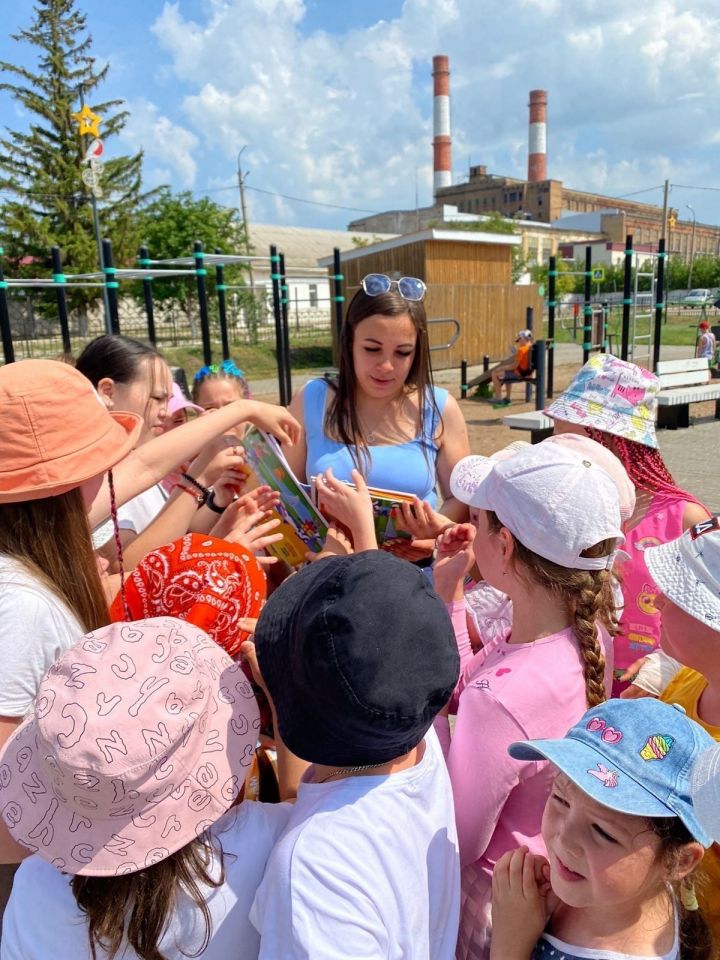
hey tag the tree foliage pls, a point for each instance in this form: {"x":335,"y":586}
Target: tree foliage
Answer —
{"x":41,"y":166}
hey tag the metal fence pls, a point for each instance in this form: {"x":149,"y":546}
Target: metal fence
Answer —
{"x":35,"y":324}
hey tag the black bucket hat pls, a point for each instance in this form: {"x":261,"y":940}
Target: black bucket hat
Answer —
{"x":359,"y":656}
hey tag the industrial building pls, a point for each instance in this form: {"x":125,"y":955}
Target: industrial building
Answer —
{"x":569,"y":215}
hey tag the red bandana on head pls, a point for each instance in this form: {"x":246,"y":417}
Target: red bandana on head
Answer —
{"x":206,"y":581}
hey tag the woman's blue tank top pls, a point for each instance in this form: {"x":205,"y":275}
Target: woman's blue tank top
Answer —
{"x":405,"y":467}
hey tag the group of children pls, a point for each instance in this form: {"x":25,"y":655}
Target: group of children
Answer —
{"x":455,"y":777}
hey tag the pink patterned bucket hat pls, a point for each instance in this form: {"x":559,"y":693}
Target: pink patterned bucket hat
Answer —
{"x":140,"y":739}
{"x":611,"y":395}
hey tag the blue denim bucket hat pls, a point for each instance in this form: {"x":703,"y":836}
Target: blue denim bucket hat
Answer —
{"x":633,"y":756}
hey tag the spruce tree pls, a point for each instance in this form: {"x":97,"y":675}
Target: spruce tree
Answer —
{"x":45,"y":201}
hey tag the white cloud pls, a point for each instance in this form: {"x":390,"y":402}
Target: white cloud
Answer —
{"x":164,"y":142}
{"x":346,"y":118}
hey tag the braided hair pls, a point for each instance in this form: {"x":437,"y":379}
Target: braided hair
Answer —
{"x":644,"y":465}
{"x":588,"y":596}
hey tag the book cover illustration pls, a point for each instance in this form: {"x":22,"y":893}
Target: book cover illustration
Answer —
{"x":383,"y":503}
{"x":302,"y":525}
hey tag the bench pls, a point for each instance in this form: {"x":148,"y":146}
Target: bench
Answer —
{"x":540,"y":426}
{"x":683,"y":382}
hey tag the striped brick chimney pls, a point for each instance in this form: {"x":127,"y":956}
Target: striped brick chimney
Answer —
{"x":537,"y":136}
{"x":442,"y":144}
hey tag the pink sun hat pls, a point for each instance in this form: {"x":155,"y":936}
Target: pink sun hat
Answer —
{"x":139,"y":740}
{"x":178,"y":401}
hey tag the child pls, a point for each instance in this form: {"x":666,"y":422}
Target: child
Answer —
{"x":124,"y":780}
{"x":705,"y":346}
{"x":615,"y":403}
{"x":545,"y":527}
{"x":622,"y":841}
{"x":687,"y":571}
{"x":358,"y":656}
{"x":219,"y":384}
{"x":518,"y":367}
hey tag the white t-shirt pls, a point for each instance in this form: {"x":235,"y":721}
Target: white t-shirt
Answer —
{"x":36,"y":628}
{"x":134,"y":515}
{"x":247,"y":834}
{"x":368,"y":867}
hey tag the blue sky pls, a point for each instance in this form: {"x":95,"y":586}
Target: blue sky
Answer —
{"x":333,"y":98}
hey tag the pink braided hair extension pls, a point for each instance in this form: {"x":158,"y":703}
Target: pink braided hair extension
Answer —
{"x":118,"y":545}
{"x":644,"y":465}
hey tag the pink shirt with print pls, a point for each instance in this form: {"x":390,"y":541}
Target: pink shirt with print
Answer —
{"x":506,"y":692}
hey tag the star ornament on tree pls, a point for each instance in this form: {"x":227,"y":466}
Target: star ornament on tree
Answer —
{"x":88,"y":122}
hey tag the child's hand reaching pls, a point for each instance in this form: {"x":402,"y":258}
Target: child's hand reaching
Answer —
{"x":337,"y":544}
{"x":420,"y":520}
{"x":350,"y":506}
{"x":522,"y":903}
{"x":454,"y":560}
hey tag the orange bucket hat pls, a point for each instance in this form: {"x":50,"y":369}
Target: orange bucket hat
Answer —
{"x":206,"y":581}
{"x":55,"y":431}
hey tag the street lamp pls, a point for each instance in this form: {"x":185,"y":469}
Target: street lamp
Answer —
{"x":243,"y":209}
{"x":692,"y":246}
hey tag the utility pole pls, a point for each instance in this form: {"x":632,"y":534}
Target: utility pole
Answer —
{"x":666,"y":191}
{"x":692,"y":246}
{"x":243,"y":210}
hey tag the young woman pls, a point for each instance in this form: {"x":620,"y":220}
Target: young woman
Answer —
{"x":545,"y":527}
{"x":622,"y":841}
{"x":614,"y":403}
{"x":383,"y":416}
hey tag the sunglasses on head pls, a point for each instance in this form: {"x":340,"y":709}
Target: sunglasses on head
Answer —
{"x":410,"y":288}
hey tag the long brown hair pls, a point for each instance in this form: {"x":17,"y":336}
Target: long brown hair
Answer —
{"x":341,"y":419}
{"x":51,"y":537}
{"x":137,"y":905}
{"x":589,"y":598}
{"x":696,"y":938}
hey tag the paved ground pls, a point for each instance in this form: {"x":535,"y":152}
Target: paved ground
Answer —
{"x":692,"y":455}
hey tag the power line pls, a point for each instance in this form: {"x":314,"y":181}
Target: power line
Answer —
{"x":684,"y":186}
{"x":284,"y":196}
{"x":636,"y":193}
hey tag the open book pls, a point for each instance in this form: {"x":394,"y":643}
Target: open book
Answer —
{"x":302,"y":524}
{"x":383,"y":502}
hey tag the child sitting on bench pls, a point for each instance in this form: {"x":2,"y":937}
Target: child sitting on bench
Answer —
{"x":518,"y":367}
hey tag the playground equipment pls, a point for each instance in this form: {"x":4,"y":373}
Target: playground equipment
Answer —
{"x":193,"y":267}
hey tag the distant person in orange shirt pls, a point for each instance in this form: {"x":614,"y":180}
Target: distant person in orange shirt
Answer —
{"x":518,"y":367}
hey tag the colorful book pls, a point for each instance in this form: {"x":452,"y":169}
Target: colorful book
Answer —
{"x":302,"y":525}
{"x":383,"y":502}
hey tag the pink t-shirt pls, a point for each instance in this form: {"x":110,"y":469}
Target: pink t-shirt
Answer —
{"x":507,"y":692}
{"x":640,"y":620}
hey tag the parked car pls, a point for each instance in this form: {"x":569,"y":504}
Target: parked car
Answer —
{"x":698,"y":298}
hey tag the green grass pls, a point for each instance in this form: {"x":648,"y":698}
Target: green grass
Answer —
{"x":258,"y":362}
{"x":680,"y":328}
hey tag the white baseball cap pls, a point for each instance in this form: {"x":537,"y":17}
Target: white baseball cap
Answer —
{"x":687,"y":570}
{"x":705,"y":790}
{"x":524,"y":335}
{"x":555,"y":503}
{"x":588,"y":449}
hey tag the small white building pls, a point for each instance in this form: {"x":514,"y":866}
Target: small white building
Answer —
{"x":309,"y":289}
